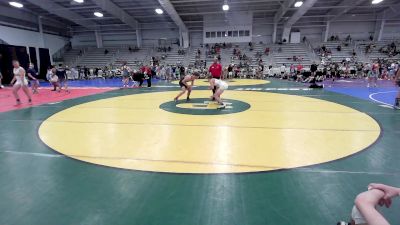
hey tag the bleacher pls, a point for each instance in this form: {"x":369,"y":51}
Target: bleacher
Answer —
{"x":375,"y":53}
{"x":72,"y":56}
{"x":337,"y":56}
{"x":131,"y":58}
{"x":173,"y":57}
{"x":93,"y":57}
{"x":283,"y":54}
{"x":96,"y":57}
{"x":192,"y":55}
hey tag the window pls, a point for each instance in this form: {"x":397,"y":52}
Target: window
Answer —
{"x":229,"y":33}
{"x":241,"y":33}
{"x":235,"y":33}
{"x":247,"y":33}
{"x":219,"y":34}
{"x":212,"y":34}
{"x":207,"y":34}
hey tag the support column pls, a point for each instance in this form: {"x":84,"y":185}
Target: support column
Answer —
{"x":41,"y":42}
{"x":327,"y":29}
{"x":379,"y":25}
{"x":99,"y":39}
{"x":139,"y":37}
{"x":274,"y":32}
{"x":286,"y":34}
{"x":184,"y":39}
{"x":41,"y":37}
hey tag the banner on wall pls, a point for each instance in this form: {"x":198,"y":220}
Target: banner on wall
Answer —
{"x":295,"y":37}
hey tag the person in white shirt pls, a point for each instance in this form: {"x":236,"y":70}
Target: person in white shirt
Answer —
{"x":20,"y":82}
{"x":220,"y":86}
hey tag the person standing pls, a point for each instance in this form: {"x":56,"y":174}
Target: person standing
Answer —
{"x":373,"y":75}
{"x":125,"y":75}
{"x":397,"y":81}
{"x":32,"y":76}
{"x":147,"y":74}
{"x":216,"y":72}
{"x":62,"y":78}
{"x":20,"y":82}
{"x":1,"y":78}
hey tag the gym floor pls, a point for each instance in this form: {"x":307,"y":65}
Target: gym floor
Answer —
{"x":278,"y":154}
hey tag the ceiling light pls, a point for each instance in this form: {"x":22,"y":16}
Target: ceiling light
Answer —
{"x":225,"y":7}
{"x":98,"y":14}
{"x":376,"y":1}
{"x":79,"y":1}
{"x":16,"y":4}
{"x":159,"y":11}
{"x":298,"y":4}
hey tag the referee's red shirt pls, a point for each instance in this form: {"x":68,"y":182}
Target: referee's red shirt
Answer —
{"x":216,"y":70}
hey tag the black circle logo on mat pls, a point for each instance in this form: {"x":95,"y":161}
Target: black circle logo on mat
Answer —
{"x":204,"y":106}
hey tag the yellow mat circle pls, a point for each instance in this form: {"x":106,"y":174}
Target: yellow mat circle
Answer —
{"x":231,"y":82}
{"x":278,"y":131}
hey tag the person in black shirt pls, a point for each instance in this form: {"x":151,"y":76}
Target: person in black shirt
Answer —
{"x":182,"y":71}
{"x":230,"y":71}
{"x":313,"y":69}
{"x":32,"y":77}
{"x":62,"y":78}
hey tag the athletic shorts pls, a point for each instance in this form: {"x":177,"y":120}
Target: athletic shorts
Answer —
{"x":223,"y":87}
{"x":357,"y":216}
{"x":373,"y":74}
{"x":23,"y":82}
{"x":183,"y":84}
{"x":61,"y":79}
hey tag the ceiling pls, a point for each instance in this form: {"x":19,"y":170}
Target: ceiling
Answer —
{"x":67,"y":17}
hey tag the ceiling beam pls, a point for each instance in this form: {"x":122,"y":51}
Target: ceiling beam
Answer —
{"x":287,"y":26}
{"x":49,"y":5}
{"x":300,"y":12}
{"x":282,"y":10}
{"x":118,"y":12}
{"x":169,"y":8}
{"x":392,"y":11}
{"x":349,"y":5}
{"x":29,"y":17}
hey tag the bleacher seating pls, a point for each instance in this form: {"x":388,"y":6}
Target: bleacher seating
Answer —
{"x":93,"y":57}
{"x":132,"y":59}
{"x":72,"y":56}
{"x":338,"y":56}
{"x":96,"y":57}
{"x":375,"y":53}
{"x":283,"y":54}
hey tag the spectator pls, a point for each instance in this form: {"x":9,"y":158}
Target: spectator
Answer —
{"x":147,"y":74}
{"x":267,"y":50}
{"x":1,"y":78}
{"x":62,"y":78}
{"x":33,"y":78}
